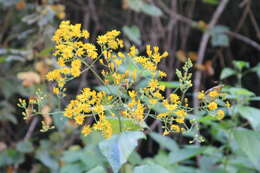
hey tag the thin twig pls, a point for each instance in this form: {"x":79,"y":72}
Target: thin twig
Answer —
{"x":202,"y":49}
{"x":31,"y":128}
{"x":244,"y":39}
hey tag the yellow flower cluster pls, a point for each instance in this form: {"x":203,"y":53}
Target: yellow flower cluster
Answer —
{"x":110,"y":40}
{"x":150,"y":62}
{"x":210,"y":100}
{"x":89,"y":104}
{"x":70,"y":50}
{"x":136,"y":108}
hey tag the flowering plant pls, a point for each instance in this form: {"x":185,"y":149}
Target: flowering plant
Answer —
{"x":126,"y":109}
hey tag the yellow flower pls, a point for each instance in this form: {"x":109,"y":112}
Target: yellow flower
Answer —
{"x":212,"y":106}
{"x":113,"y":44}
{"x":180,"y":120}
{"x":80,"y":52}
{"x":121,"y":55}
{"x":161,"y":87}
{"x":171,"y":107}
{"x":85,"y":34}
{"x":61,"y":62}
{"x":102,"y":39}
{"x":153,"y":101}
{"x":181,"y":113}
{"x":220,"y":115}
{"x":227,"y":104}
{"x":99,"y":109}
{"x":174,"y":98}
{"x":118,"y":62}
{"x":148,"y":50}
{"x":91,"y":50}
{"x":201,"y":95}
{"x":213,"y":94}
{"x":107,"y":130}
{"x":138,"y":113}
{"x":162,"y":115}
{"x":56,"y":90}
{"x":67,"y":52}
{"x":166,"y":132}
{"x":153,"y":84}
{"x":132,"y":94}
{"x":175,"y":128}
{"x":86,"y":130}
{"x":54,"y":75}
{"x":158,"y":95}
{"x":68,"y":112}
{"x":79,"y":119}
{"x":75,"y":68}
{"x":133,"y":51}
{"x":162,"y":74}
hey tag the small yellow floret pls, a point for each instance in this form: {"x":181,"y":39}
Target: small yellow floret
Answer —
{"x":220,"y":115}
{"x":213,"y":94}
{"x":212,"y":106}
{"x":86,"y":130}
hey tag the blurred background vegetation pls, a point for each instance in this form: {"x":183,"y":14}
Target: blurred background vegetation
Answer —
{"x":220,"y":36}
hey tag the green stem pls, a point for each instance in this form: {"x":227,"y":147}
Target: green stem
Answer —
{"x":120,"y":123}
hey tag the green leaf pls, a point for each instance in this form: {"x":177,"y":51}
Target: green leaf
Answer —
{"x":45,"y":157}
{"x":127,"y":125}
{"x":6,"y":112}
{"x":251,"y":114}
{"x":240,"y":65}
{"x":256,"y":69}
{"x":133,"y":33}
{"x":118,"y":148}
{"x":10,"y":157}
{"x":227,"y":72}
{"x":219,"y":38}
{"x":75,"y":167}
{"x":213,"y":2}
{"x":135,"y":5}
{"x":97,"y":169}
{"x":255,"y":98}
{"x":162,"y":158}
{"x":172,"y":84}
{"x":150,"y":169}
{"x":24,"y":147}
{"x":151,"y":10}
{"x":135,"y":158}
{"x":60,"y":120}
{"x":92,"y":156}
{"x":185,"y":153}
{"x":241,"y":161}
{"x":249,"y":142}
{"x":111,"y":89}
{"x":93,"y":138}
{"x":2,"y":59}
{"x":141,"y":6}
{"x":239,"y":92}
{"x":207,"y":119}
{"x":72,"y":156}
{"x":165,"y":141}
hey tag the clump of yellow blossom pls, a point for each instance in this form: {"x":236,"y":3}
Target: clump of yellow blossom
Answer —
{"x":212,"y":106}
{"x":220,"y":115}
{"x":86,"y":130}
{"x":74,"y":55}
{"x":201,"y":95}
{"x":213,"y":94}
{"x":175,"y":128}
